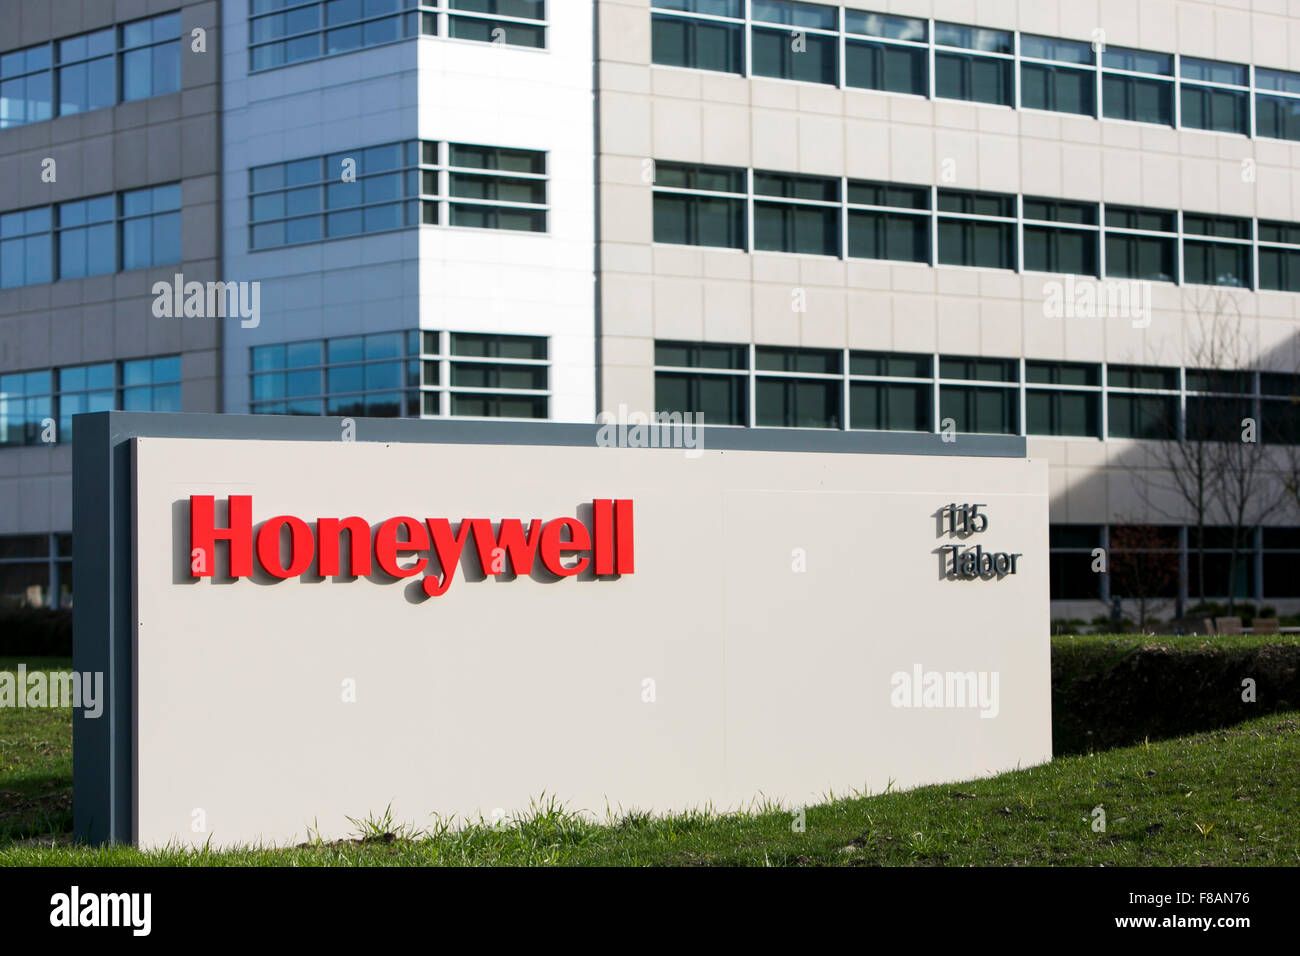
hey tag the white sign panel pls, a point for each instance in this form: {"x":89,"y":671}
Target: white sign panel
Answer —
{"x":620,"y":628}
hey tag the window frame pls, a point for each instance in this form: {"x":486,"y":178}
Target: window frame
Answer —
{"x":426,"y":360}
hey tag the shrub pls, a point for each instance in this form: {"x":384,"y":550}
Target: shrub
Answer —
{"x":35,"y":632}
{"x":1114,"y":691}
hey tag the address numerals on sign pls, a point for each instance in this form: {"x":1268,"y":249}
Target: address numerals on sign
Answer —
{"x":965,"y":519}
{"x":968,"y":563}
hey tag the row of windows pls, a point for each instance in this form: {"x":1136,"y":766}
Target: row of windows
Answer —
{"x":34,"y":569}
{"x":395,"y":186}
{"x":777,"y":387}
{"x":283,"y":32}
{"x":1159,"y":561}
{"x":404,"y":375}
{"x":71,"y":240}
{"x":32,"y":402}
{"x":809,"y":42}
{"x":760,"y":210}
{"x":90,"y":71}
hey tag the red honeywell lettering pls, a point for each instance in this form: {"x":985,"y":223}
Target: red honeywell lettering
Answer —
{"x":302,"y":547}
{"x":448,"y":550}
{"x":554,"y":546}
{"x":204,"y":535}
{"x":608,"y":541}
{"x":330,"y":531}
{"x":388,"y":547}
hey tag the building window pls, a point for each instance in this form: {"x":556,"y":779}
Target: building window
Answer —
{"x":87,"y":234}
{"x":888,"y":221}
{"x":1141,"y":402}
{"x":1223,"y":262}
{"x":1215,"y":564}
{"x":700,"y":34}
{"x":1218,"y":100}
{"x":1281,"y":559}
{"x":152,"y":384}
{"x":283,"y":32}
{"x":796,"y":214}
{"x":972,"y":393}
{"x":492,"y":187}
{"x":26,"y":250}
{"x":85,"y":388}
{"x":977,"y":229}
{"x":806,"y":48}
{"x":81,"y":73}
{"x":403,"y":375}
{"x":25,"y":566}
{"x":1141,"y":244}
{"x":151,"y":57}
{"x":1279,"y":256}
{"x":897,"y":391}
{"x":1071,"y":559}
{"x":32,"y":402}
{"x":1143,"y":561}
{"x":1072,"y":406}
{"x":86,"y":239}
{"x":331,"y":197}
{"x":1060,"y":236}
{"x":895,"y":60}
{"x":1216,"y":403}
{"x":699,"y":205}
{"x":981,"y":73}
{"x":516,"y":22}
{"x":1137,"y":85}
{"x":1277,"y":113}
{"x":26,"y":86}
{"x":86,"y":77}
{"x":26,"y":403}
{"x":151,"y":227}
{"x":362,"y":375}
{"x":1279,"y":408}
{"x":395,"y":186}
{"x":498,"y":376}
{"x":798,"y":388}
{"x":700,"y":378}
{"x":891,"y":391}
{"x":1057,"y":75}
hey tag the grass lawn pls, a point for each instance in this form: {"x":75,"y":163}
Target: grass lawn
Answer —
{"x":35,"y":764}
{"x":1224,"y":797}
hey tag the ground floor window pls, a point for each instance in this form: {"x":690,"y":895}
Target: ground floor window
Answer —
{"x":36,"y":570}
{"x":1161,"y":562}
